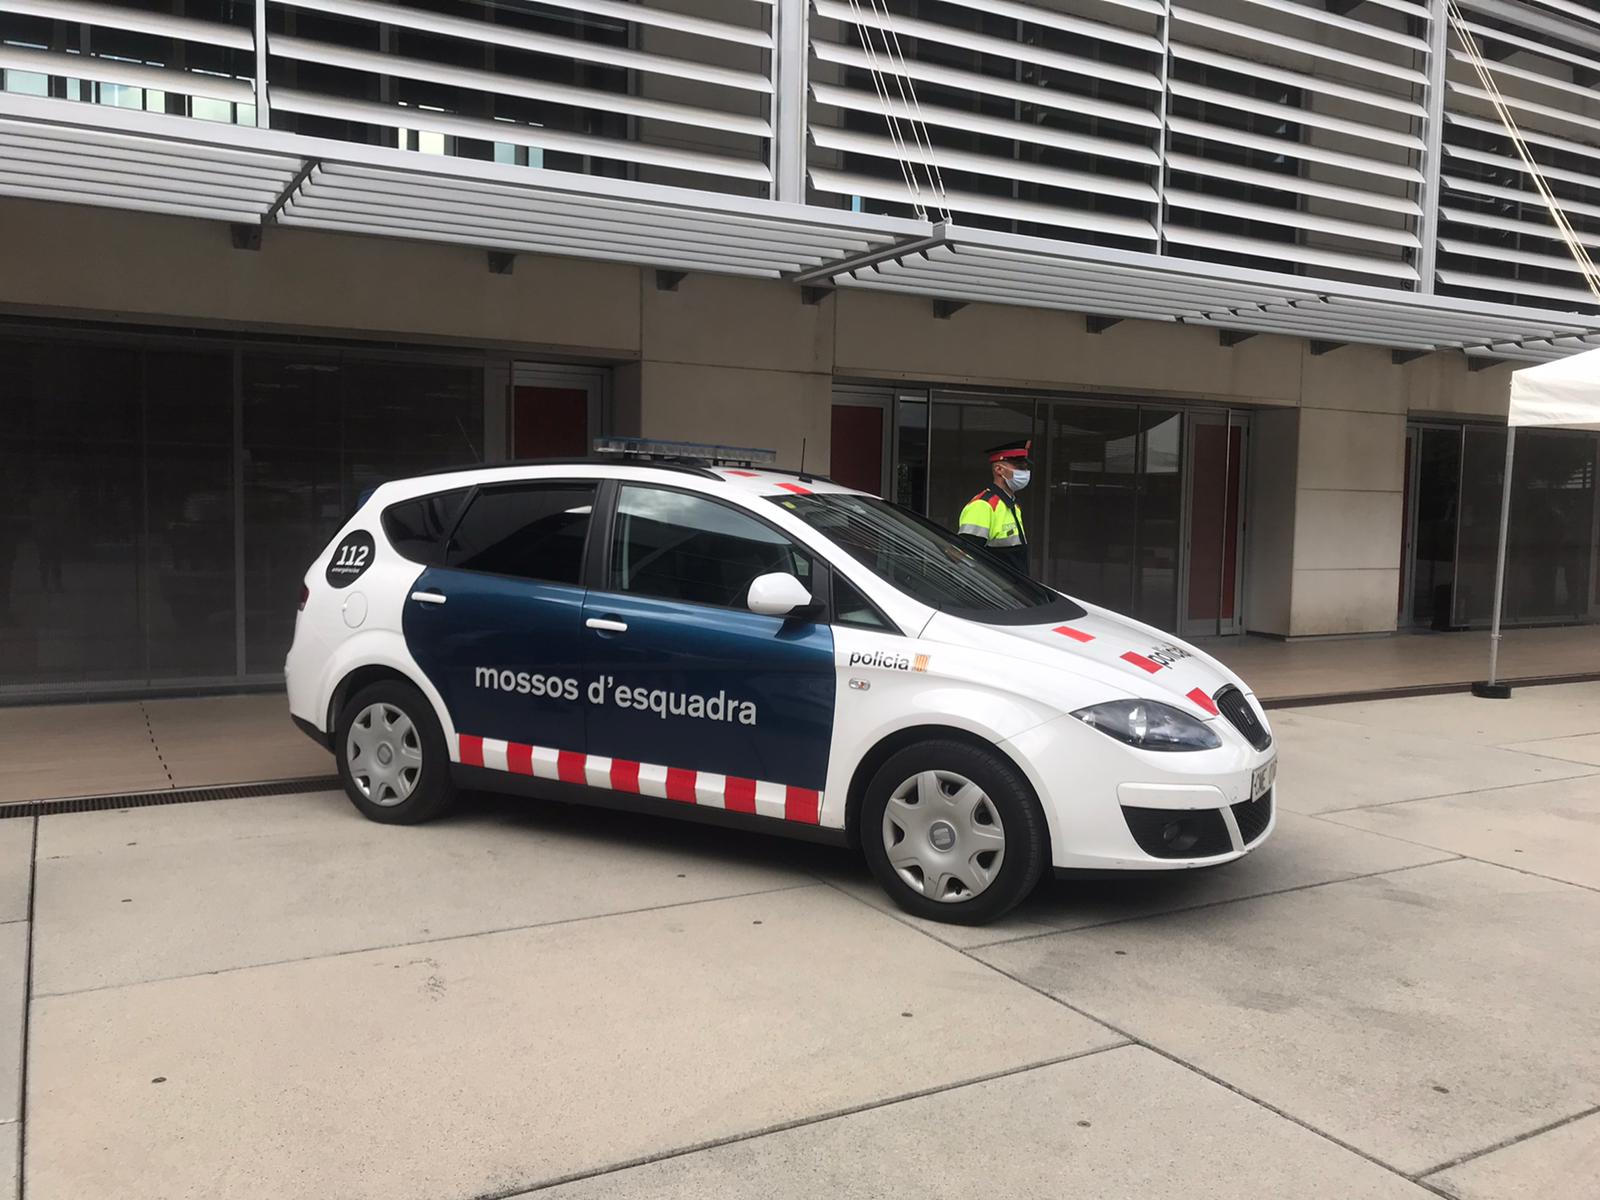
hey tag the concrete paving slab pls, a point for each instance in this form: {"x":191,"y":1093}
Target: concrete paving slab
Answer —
{"x":196,"y":826}
{"x":1302,"y":851}
{"x":13,"y":1003}
{"x":1326,"y":764}
{"x":77,"y":750}
{"x":10,"y":1164}
{"x":1557,"y":710}
{"x":1561,"y":1163}
{"x":1417,"y":1016}
{"x":1550,"y":828}
{"x":1121,"y":1123}
{"x":321,"y":879}
{"x":16,"y":863}
{"x":231,"y":739}
{"x":1584,"y":748}
{"x":483,"y":1064}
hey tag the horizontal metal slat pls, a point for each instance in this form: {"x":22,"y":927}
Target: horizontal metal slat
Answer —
{"x":539,"y":43}
{"x":492,"y":229}
{"x":217,"y":193}
{"x":96,"y":139}
{"x":1543,"y":49}
{"x":47,"y":148}
{"x":644,"y":13}
{"x":509,"y":208}
{"x":1156,"y":291}
{"x":395,"y":117}
{"x":65,"y":164}
{"x":1327,"y":320}
{"x":534,"y":246}
{"x":108,"y":16}
{"x":982,"y":43}
{"x":999,"y":295}
{"x":1533,"y":137}
{"x":1316,"y":50}
{"x":842,"y":184}
{"x":1213,"y":168}
{"x":1002,"y":127}
{"x":1002,"y":168}
{"x":1528,"y":106}
{"x":1515,"y":164}
{"x":1461,"y":216}
{"x":110,"y":70}
{"x":1516,"y":287}
{"x":490,"y":82}
{"x":1291,"y":218}
{"x":1533,"y":77}
{"x":1440,"y":316}
{"x":1330,"y":20}
{"x":1387,"y":101}
{"x":1295,"y":116}
{"x":1281,"y":327}
{"x":1290,"y":252}
{"x":1530,"y":198}
{"x":1549,"y":262}
{"x":854,"y":56}
{"x":1182,"y":287}
{"x":131,"y":199}
{"x":1303,"y":151}
{"x":1054,"y":19}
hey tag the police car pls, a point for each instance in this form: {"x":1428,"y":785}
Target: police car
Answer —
{"x":691,"y":630}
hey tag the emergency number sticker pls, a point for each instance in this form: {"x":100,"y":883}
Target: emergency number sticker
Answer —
{"x":351,"y":558}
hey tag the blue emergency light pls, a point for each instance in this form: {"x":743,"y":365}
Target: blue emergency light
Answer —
{"x":707,"y":452}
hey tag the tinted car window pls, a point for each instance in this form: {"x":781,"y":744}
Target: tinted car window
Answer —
{"x":531,"y":531}
{"x":682,"y":547}
{"x":928,"y":563}
{"x":417,"y":528}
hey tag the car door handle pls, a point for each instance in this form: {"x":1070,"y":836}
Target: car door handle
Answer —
{"x":429,"y":597}
{"x":607,"y":626}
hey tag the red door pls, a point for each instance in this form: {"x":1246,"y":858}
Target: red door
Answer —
{"x":549,"y":422}
{"x":856,"y":452}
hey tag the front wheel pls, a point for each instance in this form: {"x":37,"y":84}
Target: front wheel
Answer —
{"x":392,"y":756}
{"x":953,"y":832}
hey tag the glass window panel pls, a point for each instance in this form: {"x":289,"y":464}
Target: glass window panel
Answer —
{"x":417,"y":528}
{"x":959,"y":461}
{"x":1434,"y":557}
{"x":70,"y":513}
{"x":1094,"y":484}
{"x":1160,"y":517}
{"x":189,"y":524}
{"x":911,"y":455}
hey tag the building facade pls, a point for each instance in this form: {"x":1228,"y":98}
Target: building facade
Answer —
{"x":1251,"y":275}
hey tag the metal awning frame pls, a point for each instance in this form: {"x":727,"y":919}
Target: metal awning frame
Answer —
{"x":74,"y":152}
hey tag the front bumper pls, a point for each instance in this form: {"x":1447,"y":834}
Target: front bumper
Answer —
{"x":1113,"y":807}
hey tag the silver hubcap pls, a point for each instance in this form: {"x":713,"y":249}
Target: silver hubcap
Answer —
{"x":385,"y":754}
{"x":943,"y":836}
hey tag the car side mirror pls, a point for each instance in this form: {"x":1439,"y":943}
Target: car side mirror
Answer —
{"x":779,"y":594}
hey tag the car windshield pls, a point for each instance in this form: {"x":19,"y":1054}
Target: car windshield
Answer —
{"x":926,"y":562}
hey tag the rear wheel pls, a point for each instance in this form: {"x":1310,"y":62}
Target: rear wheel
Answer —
{"x":953,"y":832}
{"x":392,"y":756}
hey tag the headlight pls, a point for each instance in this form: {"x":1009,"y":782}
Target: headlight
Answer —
{"x":1149,"y":726}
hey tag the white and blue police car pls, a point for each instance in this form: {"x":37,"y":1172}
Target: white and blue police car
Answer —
{"x":690,"y":630}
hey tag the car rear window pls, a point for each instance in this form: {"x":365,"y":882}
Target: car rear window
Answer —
{"x":417,"y":528}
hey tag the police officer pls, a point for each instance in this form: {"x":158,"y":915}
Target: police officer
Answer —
{"x":993,"y":518}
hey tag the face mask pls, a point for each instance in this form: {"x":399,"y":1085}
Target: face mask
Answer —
{"x":1019,"y":479}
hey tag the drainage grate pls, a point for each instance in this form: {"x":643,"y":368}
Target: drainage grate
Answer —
{"x":235,"y":791}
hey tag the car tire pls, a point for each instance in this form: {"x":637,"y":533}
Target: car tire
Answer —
{"x":927,"y":785}
{"x":392,"y":755}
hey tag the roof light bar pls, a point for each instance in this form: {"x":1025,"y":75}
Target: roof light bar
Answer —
{"x":709,"y":452}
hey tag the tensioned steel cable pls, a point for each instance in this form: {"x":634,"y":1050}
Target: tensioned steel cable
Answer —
{"x":919,"y":126}
{"x":1474,"y":55}
{"x":913,"y":188}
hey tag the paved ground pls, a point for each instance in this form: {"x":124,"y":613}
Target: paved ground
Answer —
{"x":274,"y":998}
{"x":59,"y":750}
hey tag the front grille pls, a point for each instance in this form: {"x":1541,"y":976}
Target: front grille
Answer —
{"x":1231,"y":703}
{"x":1176,"y":833}
{"x":1253,"y":817}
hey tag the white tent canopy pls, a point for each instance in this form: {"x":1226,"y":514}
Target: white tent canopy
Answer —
{"x":1565,"y":392}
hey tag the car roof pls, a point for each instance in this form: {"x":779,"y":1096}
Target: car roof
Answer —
{"x":747,"y":480}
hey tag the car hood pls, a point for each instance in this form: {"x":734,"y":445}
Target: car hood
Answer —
{"x":1126,"y":655}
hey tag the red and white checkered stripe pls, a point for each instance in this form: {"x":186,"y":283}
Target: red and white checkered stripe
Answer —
{"x":731,"y":792}
{"x":1134,"y":658}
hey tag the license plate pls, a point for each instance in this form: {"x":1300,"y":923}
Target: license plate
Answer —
{"x":1262,"y":779}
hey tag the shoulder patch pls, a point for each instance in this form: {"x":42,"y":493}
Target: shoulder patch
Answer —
{"x":994,"y":500}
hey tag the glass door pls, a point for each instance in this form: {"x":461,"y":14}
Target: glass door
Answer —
{"x":1214,"y":486}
